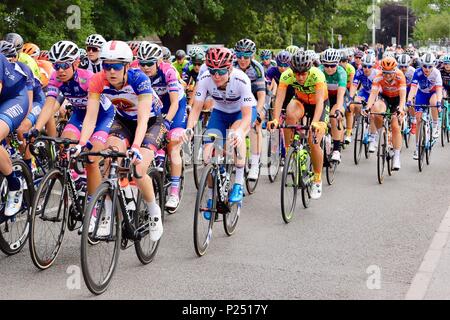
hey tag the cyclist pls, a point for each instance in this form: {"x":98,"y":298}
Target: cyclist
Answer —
{"x":197,"y":61}
{"x":336,"y":79}
{"x":245,"y":50}
{"x":171,"y":93}
{"x":192,"y":53}
{"x":426,"y":88}
{"x":389,"y":86}
{"x":17,"y":41}
{"x":445,"y":74}
{"x":91,"y":62}
{"x":404,"y":64}
{"x":167,"y":55}
{"x":180,"y":61}
{"x":344,"y":63}
{"x":230,"y":88}
{"x":73,"y":82}
{"x":363,"y":77}
{"x":137,"y":125}
{"x":273,"y":75}
{"x":311,"y":99}
{"x":266,"y":59}
{"x":357,"y":64}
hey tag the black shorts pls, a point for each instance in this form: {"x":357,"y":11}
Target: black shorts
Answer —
{"x":125,"y":130}
{"x":310,"y":108}
{"x":391,"y":103}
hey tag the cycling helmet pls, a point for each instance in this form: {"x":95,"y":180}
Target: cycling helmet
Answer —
{"x":16,"y":39}
{"x":116,"y":50}
{"x":199,"y":57}
{"x":344,"y":56}
{"x":330,"y":56}
{"x":403,"y":60}
{"x":371,"y":52}
{"x":63,"y":51}
{"x":194,"y":50}
{"x":31,"y":49}
{"x":218,"y":58}
{"x":166,"y":53}
{"x":350,"y":52}
{"x":388,"y":64}
{"x":83,"y":52}
{"x":95,"y":40}
{"x":245,"y":45}
{"x":292,"y":49}
{"x":410,"y":52}
{"x":368,"y":59}
{"x":359,"y":54}
{"x":283,"y":57}
{"x":8,"y":49}
{"x":43,"y":55}
{"x":265,"y":53}
{"x":389,"y":54}
{"x":446,"y":58}
{"x":149,"y":51}
{"x":180,"y":54}
{"x":428,"y":59}
{"x":301,"y":61}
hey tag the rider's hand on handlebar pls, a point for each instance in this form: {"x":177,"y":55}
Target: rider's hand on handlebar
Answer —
{"x":187,"y":135}
{"x":236,"y":138}
{"x":136,"y":154}
{"x":271,"y":125}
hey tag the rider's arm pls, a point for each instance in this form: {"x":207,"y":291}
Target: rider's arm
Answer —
{"x":412,"y":92}
{"x":30,"y":99}
{"x":90,"y":119}
{"x":320,"y":95}
{"x":143,"y":115}
{"x":373,"y":96}
{"x":173,"y":85}
{"x":340,"y":96}
{"x":261,"y":100}
{"x":46,"y":113}
{"x":199,"y":99}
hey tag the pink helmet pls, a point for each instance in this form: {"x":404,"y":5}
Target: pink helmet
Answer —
{"x":219,"y":58}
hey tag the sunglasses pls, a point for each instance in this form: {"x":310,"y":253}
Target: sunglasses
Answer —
{"x":110,"y":66}
{"x":403,"y":67}
{"x":63,"y":65}
{"x":265,"y":58}
{"x":93,"y":49}
{"x":198,"y":64}
{"x":301,"y":74}
{"x":427,"y":67}
{"x":149,"y":63}
{"x":245,"y":55}
{"x":366,"y":66}
{"x":386,"y":73}
{"x":358,"y":57}
{"x":330,"y":65}
{"x":283,"y":65}
{"x":220,"y":72}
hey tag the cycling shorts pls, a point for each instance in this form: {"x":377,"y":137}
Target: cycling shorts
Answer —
{"x":422,"y":99}
{"x":391,"y":103}
{"x":102,"y":127}
{"x":36,"y":108}
{"x":14,"y":110}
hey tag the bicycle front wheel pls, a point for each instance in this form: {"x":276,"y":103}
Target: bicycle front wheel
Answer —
{"x":231,"y":218}
{"x":14,"y":231}
{"x":422,"y":145}
{"x":359,"y":140}
{"x":274,"y":154}
{"x":289,"y":185}
{"x":443,"y":126}
{"x":99,"y":261}
{"x":381,"y":155}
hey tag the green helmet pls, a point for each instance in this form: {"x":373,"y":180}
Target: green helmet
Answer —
{"x":292,"y":49}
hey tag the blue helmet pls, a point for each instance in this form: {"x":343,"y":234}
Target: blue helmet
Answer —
{"x":283,"y":57}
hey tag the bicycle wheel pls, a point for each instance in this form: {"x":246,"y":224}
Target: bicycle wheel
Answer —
{"x":146,"y":248}
{"x":99,"y":261}
{"x":443,"y":126}
{"x":273,"y":155}
{"x":381,"y":155}
{"x":422,"y":144}
{"x":231,"y":218}
{"x":429,"y":145}
{"x":306,"y":178}
{"x":406,"y":125}
{"x":289,"y":185}
{"x":204,"y":215}
{"x":359,"y":140}
{"x":331,"y":171}
{"x":48,"y":219}
{"x":250,"y":184}
{"x":14,"y":231}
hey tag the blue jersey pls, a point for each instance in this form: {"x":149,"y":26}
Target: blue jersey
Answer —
{"x":14,"y":79}
{"x":427,"y":84}
{"x":33,"y":85}
{"x":366,"y":81}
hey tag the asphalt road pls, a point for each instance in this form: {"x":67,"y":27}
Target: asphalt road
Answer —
{"x":361,"y":240}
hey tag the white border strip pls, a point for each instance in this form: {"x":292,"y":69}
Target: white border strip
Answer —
{"x":422,"y":279}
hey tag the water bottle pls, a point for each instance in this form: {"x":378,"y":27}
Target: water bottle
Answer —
{"x":125,"y":185}
{"x":160,"y":158}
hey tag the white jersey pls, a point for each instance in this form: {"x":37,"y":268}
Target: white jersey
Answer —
{"x":427,"y":84}
{"x":409,"y":74}
{"x":87,"y":64}
{"x":237,"y":94}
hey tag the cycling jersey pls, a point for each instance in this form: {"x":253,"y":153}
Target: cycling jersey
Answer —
{"x":126,"y":99}
{"x":409,"y":74}
{"x":38,"y":94}
{"x":31,"y":63}
{"x":350,"y":72}
{"x":87,"y":64}
{"x":445,"y":75}
{"x":46,"y":70}
{"x":237,"y":93}
{"x":255,"y":73}
{"x":165,"y":81}
{"x":306,"y":93}
{"x":271,"y":64}
{"x":191,"y":76}
{"x":179,"y":66}
{"x":335,"y":81}
{"x":427,"y":84}
{"x":365,"y":81}
{"x":389,"y":89}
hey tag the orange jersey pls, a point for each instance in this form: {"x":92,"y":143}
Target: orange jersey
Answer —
{"x":389,"y":89}
{"x":46,"y":70}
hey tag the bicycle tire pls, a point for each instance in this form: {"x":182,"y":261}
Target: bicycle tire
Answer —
{"x":306,"y":184}
{"x":443,"y":126}
{"x":381,"y":156}
{"x":421,"y":149}
{"x":251,"y":184}
{"x":359,"y":139}
{"x":44,"y":191}
{"x":273,"y":167}
{"x":10,"y":244}
{"x":201,"y":244}
{"x":141,"y":219}
{"x":288,"y":208}
{"x":430,"y":145}
{"x":98,"y":287}
{"x":231,"y":218}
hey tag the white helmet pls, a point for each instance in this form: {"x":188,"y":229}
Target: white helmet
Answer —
{"x":149,"y":51}
{"x":428,"y":59}
{"x":63,"y":51}
{"x":116,"y":50}
{"x":371,"y":52}
{"x":195,"y":50}
{"x":95,"y":40}
{"x":389,"y":54}
{"x":404,"y":60}
{"x":368,"y":59}
{"x":331,"y":56}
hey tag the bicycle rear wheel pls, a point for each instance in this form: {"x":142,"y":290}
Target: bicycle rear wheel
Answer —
{"x":99,"y":261}
{"x":306,"y":177}
{"x":289,"y":185}
{"x":274,"y":155}
{"x":381,"y":155}
{"x":359,"y":139}
{"x":422,"y":144}
{"x":48,"y":219}
{"x":231,"y":218}
{"x":197,"y":161}
{"x":14,"y":231}
{"x":146,"y":248}
{"x":205,"y":212}
{"x":443,"y":126}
